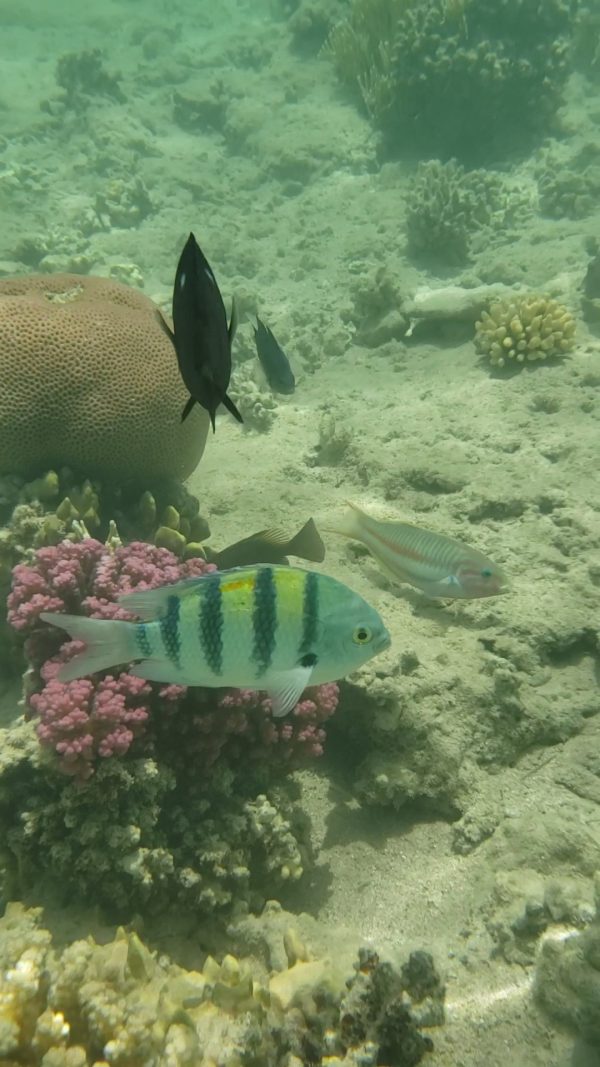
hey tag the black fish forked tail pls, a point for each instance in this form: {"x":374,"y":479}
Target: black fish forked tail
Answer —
{"x":188,"y":407}
{"x":227,"y":403}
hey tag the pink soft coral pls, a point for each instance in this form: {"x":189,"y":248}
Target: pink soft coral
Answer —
{"x":95,"y":718}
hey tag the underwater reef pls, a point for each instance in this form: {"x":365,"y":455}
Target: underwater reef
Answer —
{"x":123,"y":1004}
{"x":477,"y":80}
{"x":169,"y":793}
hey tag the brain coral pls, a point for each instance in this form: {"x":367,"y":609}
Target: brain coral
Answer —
{"x":90,"y":381}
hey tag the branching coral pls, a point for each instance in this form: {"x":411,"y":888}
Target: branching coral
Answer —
{"x":446,"y":206}
{"x":471,"y":80}
{"x":524,"y":330}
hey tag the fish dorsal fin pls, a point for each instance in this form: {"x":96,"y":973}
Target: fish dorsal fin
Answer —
{"x":150,"y":604}
{"x":273,"y":536}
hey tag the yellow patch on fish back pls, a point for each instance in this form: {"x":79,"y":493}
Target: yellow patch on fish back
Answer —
{"x":290,"y":590}
{"x":232,"y":585}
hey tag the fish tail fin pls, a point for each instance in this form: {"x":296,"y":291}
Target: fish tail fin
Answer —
{"x":109,"y":642}
{"x":350,"y":524}
{"x":229,"y":404}
{"x":307,"y":543}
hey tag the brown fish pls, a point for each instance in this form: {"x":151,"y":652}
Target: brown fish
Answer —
{"x":270,"y":546}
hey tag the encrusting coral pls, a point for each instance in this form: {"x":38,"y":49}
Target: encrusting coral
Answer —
{"x":89,"y":380}
{"x":119,"y":1003}
{"x":524,"y":330}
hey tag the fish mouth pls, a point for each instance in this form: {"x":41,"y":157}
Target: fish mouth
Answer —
{"x":383,"y":641}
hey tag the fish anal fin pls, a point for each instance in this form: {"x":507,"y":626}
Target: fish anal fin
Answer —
{"x":157,"y":670}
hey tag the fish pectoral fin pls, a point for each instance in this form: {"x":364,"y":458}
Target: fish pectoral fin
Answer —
{"x":286,"y":689}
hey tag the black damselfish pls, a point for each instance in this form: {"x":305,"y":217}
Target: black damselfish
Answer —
{"x":273,"y":360}
{"x":200,"y":335}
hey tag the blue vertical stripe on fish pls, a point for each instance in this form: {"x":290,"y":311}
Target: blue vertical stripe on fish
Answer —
{"x":210,"y":623}
{"x":310,"y":613}
{"x":278,"y":629}
{"x":142,"y":640}
{"x":169,"y":631}
{"x":264,"y":618}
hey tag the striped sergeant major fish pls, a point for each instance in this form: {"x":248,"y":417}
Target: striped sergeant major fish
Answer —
{"x":437,"y":565}
{"x":278,"y":629}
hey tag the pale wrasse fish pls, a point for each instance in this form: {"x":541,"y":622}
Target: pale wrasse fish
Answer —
{"x":278,"y":629}
{"x":437,"y":565}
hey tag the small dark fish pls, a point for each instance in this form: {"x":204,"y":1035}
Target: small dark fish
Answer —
{"x":270,"y":546}
{"x":200,"y":335}
{"x":273,"y":360}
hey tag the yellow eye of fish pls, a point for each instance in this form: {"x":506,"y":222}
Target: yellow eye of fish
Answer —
{"x":362,"y":635}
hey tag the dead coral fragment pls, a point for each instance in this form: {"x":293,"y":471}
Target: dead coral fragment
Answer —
{"x":524,"y":330}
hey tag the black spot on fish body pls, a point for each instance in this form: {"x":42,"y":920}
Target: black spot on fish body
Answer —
{"x":309,"y":660}
{"x":201,"y":337}
{"x":264,"y":619}
{"x":169,"y":631}
{"x":210,"y":623}
{"x":273,"y":360}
